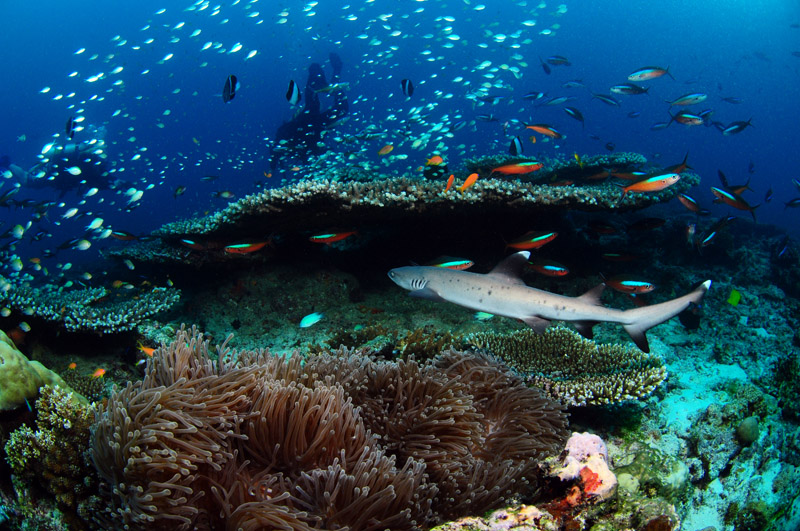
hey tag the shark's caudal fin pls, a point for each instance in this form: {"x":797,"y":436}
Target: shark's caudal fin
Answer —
{"x":640,"y":320}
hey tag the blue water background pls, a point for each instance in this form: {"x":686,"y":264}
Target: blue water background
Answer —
{"x":731,"y":48}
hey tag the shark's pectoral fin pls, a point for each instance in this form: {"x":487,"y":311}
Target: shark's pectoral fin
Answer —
{"x":585,"y":328}
{"x":639,"y":337}
{"x":537,"y":323}
{"x":426,"y":293}
{"x":593,"y":295}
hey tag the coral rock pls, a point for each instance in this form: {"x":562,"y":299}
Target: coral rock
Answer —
{"x":20,"y":378}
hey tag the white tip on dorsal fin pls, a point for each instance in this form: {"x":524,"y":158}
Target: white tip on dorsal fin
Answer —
{"x":593,"y":295}
{"x":510,"y":268}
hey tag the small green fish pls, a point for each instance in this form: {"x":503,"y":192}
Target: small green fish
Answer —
{"x":483,"y":316}
{"x":734,"y":297}
{"x":311,"y":319}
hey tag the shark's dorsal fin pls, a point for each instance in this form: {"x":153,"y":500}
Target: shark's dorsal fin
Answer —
{"x":510,"y":268}
{"x":593,"y":295}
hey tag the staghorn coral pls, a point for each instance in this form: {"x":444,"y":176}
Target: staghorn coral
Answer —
{"x":575,"y":370}
{"x":337,"y":440}
{"x":87,"y":309}
{"x":53,"y":458}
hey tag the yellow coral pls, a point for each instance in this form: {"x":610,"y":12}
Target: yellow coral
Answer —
{"x":20,"y":378}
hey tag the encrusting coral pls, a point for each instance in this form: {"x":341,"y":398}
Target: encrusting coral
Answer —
{"x":337,"y":440}
{"x":575,"y":370}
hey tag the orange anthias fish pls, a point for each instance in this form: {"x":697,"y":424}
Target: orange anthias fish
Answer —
{"x":545,"y":130}
{"x":532,"y":240}
{"x":656,"y":183}
{"x":245,"y":248}
{"x":434,"y":160}
{"x":468,"y":182}
{"x":72,"y":366}
{"x":329,"y":237}
{"x":519,"y":168}
{"x":385,"y":150}
{"x":98,"y":373}
{"x":450,"y":182}
{"x":148,"y":351}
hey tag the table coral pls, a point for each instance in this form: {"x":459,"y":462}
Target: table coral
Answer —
{"x":575,"y":370}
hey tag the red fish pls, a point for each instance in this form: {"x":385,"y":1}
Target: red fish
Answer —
{"x":656,"y":183}
{"x":679,"y":168}
{"x":689,"y":202}
{"x":736,"y":201}
{"x":329,"y":237}
{"x":519,"y":168}
{"x":468,"y":182}
{"x":449,"y":262}
{"x":549,"y":268}
{"x":631,"y":285}
{"x":545,"y":130}
{"x":532,"y":240}
{"x":245,"y":248}
{"x":450,"y":182}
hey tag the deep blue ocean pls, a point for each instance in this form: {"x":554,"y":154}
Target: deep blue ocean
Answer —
{"x":148,"y":76}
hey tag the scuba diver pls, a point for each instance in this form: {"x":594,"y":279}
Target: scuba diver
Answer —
{"x":301,"y":136}
{"x":70,"y":166}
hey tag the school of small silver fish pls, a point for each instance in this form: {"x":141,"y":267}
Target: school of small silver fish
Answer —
{"x":105,"y":162}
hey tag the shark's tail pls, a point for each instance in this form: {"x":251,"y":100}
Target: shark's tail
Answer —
{"x":639,"y":320}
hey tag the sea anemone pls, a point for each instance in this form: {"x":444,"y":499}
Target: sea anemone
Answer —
{"x":338,"y":440}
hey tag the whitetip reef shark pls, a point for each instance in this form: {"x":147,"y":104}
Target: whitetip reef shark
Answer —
{"x":502,"y":292}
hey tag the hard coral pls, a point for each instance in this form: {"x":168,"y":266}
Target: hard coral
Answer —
{"x":575,"y":370}
{"x":53,"y":458}
{"x":21,"y":379}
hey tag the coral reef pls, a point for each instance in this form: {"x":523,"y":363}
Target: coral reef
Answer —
{"x":318,"y":204}
{"x":87,"y":309}
{"x":53,"y":457}
{"x":21,"y":379}
{"x":336,"y":440}
{"x":575,"y":370}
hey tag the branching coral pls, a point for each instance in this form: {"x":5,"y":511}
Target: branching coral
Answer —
{"x":87,"y":309}
{"x":575,"y":370}
{"x":52,"y":458}
{"x":335,"y":441}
